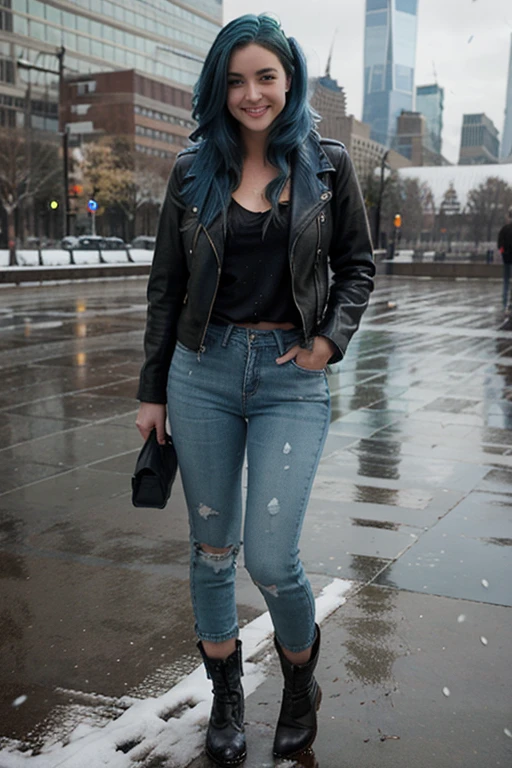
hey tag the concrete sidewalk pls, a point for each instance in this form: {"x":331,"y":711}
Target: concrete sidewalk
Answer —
{"x":412,"y":504}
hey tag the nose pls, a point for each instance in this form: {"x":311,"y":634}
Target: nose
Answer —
{"x":252,"y":92}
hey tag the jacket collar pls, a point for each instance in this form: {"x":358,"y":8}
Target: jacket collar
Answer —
{"x":308,"y":190}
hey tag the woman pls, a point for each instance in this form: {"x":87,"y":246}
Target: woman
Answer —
{"x":243,"y":318}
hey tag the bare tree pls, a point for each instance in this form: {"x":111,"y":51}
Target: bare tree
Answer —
{"x":26,"y":168}
{"x":487,"y":206}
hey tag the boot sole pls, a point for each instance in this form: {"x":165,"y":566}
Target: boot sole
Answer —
{"x":226,"y":763}
{"x":310,"y":742}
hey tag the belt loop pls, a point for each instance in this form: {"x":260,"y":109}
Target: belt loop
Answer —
{"x":278,"y":336}
{"x":227,"y":335}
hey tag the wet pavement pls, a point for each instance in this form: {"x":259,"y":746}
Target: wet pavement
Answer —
{"x":412,"y":503}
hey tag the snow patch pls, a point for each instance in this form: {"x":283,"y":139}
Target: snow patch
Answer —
{"x":149,"y":728}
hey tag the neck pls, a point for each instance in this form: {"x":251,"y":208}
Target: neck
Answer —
{"x":254,"y":145}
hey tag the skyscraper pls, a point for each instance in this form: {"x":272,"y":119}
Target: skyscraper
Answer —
{"x":389,"y":60}
{"x":479,"y":143}
{"x":506,"y":143}
{"x":430,"y":102}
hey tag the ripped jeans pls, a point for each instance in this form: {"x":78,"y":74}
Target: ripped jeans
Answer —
{"x":237,"y":399}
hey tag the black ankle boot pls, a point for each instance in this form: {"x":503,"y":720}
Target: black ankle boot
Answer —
{"x":296,"y":727}
{"x":225,"y":740}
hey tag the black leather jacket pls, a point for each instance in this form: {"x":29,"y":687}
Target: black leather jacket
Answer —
{"x":328,"y":229}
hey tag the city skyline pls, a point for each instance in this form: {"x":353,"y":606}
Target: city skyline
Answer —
{"x":467,"y":54}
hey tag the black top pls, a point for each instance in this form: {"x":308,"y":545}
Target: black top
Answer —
{"x":505,"y":242}
{"x":255,"y":283}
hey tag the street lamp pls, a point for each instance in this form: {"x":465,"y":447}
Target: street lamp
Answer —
{"x":24,"y":64}
{"x":381,"y":195}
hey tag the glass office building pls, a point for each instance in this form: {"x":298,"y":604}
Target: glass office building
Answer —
{"x":430,"y":102}
{"x":389,"y":62}
{"x":506,"y":143}
{"x":159,"y":38}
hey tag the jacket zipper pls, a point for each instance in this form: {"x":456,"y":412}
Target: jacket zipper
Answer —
{"x":219,"y":269}
{"x":318,"y":253}
{"x":308,"y":222}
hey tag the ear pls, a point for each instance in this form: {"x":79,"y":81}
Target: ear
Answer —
{"x":288,"y":83}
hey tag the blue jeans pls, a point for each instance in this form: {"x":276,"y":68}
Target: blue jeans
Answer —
{"x":234,"y":399}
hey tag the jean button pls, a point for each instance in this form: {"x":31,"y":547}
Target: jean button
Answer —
{"x":252,"y":337}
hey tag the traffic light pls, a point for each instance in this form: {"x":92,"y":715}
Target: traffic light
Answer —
{"x":398,"y":221}
{"x":53,"y":205}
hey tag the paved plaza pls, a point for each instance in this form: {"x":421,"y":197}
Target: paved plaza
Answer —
{"x":411,"y":510}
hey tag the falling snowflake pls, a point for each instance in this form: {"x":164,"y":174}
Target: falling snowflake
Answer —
{"x":287,"y":448}
{"x":19,"y":701}
{"x":462,"y":618}
{"x":485,"y":583}
{"x":446,"y":691}
{"x":484,"y":640}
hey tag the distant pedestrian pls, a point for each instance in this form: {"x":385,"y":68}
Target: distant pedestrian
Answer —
{"x":244,"y":316}
{"x":505,"y":248}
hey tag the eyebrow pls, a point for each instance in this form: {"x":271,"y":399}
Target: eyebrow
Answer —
{"x":259,"y":72}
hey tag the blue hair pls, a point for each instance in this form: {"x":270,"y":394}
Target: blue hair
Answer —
{"x":217,"y":167}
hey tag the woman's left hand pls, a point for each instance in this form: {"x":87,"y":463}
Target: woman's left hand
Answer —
{"x":315,"y":359}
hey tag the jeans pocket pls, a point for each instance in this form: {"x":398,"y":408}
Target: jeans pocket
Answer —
{"x":314,"y":371}
{"x":182,"y":347}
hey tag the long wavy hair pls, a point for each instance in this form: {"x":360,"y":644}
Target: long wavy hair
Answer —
{"x":217,"y":167}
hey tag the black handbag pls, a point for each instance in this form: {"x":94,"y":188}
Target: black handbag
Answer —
{"x":155,"y":472}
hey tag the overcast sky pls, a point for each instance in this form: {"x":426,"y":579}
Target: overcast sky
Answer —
{"x":467,"y":41}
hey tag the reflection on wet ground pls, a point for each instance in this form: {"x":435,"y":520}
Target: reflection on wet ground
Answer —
{"x":412,"y":497}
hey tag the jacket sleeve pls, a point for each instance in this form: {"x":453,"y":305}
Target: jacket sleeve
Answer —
{"x":166,"y":291}
{"x":350,"y":258}
{"x":501,"y":240}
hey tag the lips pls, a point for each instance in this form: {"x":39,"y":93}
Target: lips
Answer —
{"x":255,"y":111}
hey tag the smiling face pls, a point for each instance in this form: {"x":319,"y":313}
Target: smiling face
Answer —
{"x":257,"y":86}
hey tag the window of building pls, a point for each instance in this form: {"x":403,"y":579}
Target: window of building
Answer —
{"x":107,"y":8}
{"x":6,"y":20}
{"x":20,"y":25}
{"x":87,"y":86}
{"x":36,"y":29}
{"x":376,"y":5}
{"x":97,"y":49}
{"x":84,"y":44}
{"x":6,"y":71}
{"x":53,"y":35}
{"x":70,"y":41}
{"x":377,"y":78}
{"x":83,"y":24}
{"x":404,"y":78}
{"x":52,"y":14}
{"x":407,"y":6}
{"x":377,"y":19}
{"x":68,"y":20}
{"x":35,"y":8}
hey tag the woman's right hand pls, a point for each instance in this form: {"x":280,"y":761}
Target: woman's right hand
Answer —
{"x":151,"y":415}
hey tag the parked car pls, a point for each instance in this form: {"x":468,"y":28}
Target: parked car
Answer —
{"x":92,"y":243}
{"x":69,"y":242}
{"x":144,"y":241}
{"x":114,"y":244}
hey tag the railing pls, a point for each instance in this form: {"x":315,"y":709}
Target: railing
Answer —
{"x":57,"y":257}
